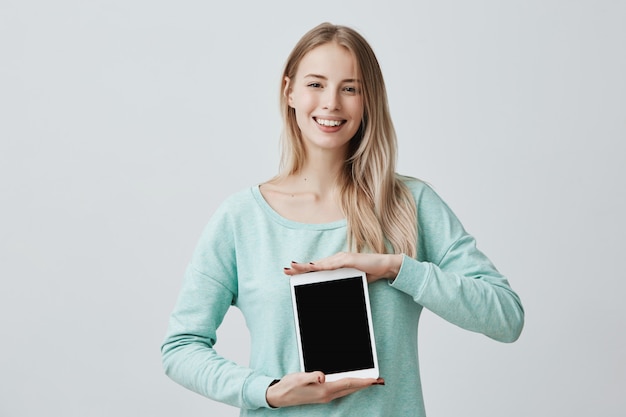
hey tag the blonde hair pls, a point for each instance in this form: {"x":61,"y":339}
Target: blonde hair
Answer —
{"x":379,"y":208}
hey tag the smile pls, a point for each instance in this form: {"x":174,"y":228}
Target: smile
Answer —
{"x":330,"y":123}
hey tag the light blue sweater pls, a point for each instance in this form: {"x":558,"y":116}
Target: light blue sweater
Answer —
{"x":239,"y":261}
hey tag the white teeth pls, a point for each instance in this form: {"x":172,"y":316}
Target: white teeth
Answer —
{"x":330,"y":123}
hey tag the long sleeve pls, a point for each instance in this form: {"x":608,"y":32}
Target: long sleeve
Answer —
{"x":188,"y":353}
{"x":452,"y":278}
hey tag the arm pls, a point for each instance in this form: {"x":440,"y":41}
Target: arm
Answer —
{"x":473,"y":296}
{"x":479,"y":300}
{"x":455,"y":280}
{"x":450,"y":276}
{"x":188,"y":353}
{"x":189,"y":357}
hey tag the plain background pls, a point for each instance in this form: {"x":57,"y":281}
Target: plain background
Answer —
{"x":124,"y":124}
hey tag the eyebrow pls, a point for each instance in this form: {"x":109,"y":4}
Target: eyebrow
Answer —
{"x":322,"y":77}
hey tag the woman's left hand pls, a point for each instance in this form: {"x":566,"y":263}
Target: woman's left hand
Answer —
{"x":375,"y":265}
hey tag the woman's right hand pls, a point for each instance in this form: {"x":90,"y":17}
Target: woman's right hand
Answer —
{"x":311,"y":388}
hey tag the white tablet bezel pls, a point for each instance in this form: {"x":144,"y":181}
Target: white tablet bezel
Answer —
{"x":324,"y":276}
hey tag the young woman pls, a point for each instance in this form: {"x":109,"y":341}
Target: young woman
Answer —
{"x":337,"y":202}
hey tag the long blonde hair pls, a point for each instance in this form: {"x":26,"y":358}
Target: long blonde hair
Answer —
{"x":379,"y":208}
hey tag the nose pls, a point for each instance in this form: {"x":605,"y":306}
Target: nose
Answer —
{"x":332,"y":100}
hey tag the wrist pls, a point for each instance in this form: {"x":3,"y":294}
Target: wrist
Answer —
{"x":268,"y":397}
{"x":395,"y":263}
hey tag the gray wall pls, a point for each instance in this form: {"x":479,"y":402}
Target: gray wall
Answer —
{"x":123,"y":124}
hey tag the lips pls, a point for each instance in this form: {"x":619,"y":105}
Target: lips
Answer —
{"x":328,"y":122}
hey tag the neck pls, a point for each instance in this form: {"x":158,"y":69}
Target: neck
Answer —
{"x":320,"y":173}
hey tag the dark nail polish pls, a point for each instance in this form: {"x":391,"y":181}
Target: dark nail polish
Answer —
{"x":311,"y":263}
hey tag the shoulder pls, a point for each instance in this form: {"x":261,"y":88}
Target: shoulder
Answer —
{"x":432,"y":211}
{"x":231,"y":210}
{"x":223,"y":224}
{"x":422,"y":192}
{"x":237,"y":202}
{"x":438,"y":226}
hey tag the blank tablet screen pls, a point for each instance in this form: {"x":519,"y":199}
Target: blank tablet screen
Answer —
{"x":334,"y":328}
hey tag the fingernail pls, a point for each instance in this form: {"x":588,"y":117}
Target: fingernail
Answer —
{"x":311,"y":263}
{"x":287,"y":269}
{"x":294,"y":262}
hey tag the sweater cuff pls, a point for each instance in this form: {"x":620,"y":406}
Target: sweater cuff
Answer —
{"x":255,"y":389}
{"x":412,"y":277}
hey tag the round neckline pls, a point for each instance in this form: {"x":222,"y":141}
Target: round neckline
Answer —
{"x":292,"y":224}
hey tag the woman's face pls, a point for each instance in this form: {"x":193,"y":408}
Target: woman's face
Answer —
{"x":326,"y":96}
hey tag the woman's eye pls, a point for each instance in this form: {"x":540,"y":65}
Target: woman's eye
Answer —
{"x":351,"y":90}
{"x":315,"y":85}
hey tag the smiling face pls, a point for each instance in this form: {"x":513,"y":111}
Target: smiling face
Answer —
{"x":325,"y":94}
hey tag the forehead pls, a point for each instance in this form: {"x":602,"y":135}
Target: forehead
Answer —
{"x":329,"y":59}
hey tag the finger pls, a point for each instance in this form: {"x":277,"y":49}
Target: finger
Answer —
{"x":316,"y":377}
{"x":296,"y":268}
{"x":293,"y":269}
{"x":336,"y":261}
{"x":349,"y":386}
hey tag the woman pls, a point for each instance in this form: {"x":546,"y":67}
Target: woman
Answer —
{"x":337,"y":202}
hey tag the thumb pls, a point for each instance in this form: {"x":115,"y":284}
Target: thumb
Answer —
{"x":317,"y":377}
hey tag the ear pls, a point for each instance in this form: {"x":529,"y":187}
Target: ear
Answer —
{"x":287,"y":91}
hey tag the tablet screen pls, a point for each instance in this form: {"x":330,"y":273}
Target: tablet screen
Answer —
{"x":333,"y":325}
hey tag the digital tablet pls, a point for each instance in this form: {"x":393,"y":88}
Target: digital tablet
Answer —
{"x":334,"y":323}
